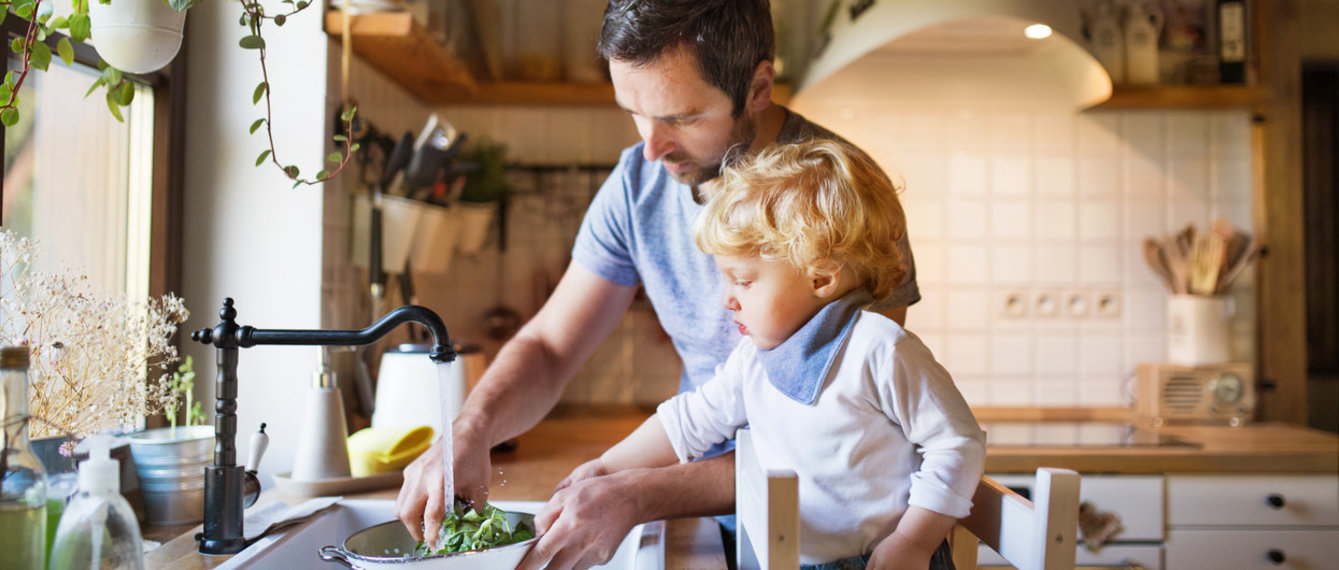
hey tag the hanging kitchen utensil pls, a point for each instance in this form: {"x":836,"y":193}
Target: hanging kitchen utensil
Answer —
{"x":395,"y":162}
{"x":417,"y":335}
{"x":501,"y":321}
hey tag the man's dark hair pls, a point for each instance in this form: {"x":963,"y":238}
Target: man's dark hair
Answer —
{"x":727,"y":37}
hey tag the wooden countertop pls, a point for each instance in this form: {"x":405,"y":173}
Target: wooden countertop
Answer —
{"x":1255,"y":448}
{"x":549,"y":452}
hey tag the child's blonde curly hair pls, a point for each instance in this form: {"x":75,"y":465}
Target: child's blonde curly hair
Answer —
{"x":818,"y":205}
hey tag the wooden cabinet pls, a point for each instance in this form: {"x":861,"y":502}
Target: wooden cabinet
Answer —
{"x":1246,"y":521}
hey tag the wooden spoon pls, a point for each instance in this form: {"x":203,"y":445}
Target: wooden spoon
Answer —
{"x":1158,"y":262}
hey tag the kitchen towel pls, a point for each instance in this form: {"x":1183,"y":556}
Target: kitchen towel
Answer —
{"x":262,"y":520}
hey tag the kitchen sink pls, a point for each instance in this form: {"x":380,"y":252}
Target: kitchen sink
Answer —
{"x":642,"y":549}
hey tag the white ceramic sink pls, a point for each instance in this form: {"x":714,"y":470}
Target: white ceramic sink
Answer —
{"x":642,"y":549}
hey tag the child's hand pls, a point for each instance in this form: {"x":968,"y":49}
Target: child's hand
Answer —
{"x":587,"y":470}
{"x":898,"y":552}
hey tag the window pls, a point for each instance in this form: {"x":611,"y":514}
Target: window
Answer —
{"x":79,"y":181}
{"x":102,"y":196}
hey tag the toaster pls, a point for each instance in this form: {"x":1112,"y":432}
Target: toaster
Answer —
{"x":1207,"y":394}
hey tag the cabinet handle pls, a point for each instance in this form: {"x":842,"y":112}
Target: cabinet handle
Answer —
{"x":1275,"y":501}
{"x":1276,"y":556}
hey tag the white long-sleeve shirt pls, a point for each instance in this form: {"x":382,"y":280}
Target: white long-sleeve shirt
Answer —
{"x":887,"y":430}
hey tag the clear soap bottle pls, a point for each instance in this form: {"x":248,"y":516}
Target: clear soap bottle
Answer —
{"x":98,"y":529}
{"x":23,"y":495}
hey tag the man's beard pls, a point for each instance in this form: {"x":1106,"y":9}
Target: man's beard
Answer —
{"x":741,"y":137}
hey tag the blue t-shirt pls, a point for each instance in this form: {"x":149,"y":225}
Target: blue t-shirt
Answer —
{"x":639,"y":230}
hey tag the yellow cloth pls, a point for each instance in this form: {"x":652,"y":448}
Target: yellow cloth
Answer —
{"x":377,"y":450}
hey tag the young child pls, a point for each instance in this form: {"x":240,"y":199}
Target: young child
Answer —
{"x":887,"y":452}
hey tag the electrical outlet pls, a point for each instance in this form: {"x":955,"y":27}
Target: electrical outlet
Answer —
{"x":1076,"y":304}
{"x":1047,"y":304}
{"x":1014,"y":304}
{"x":1107,"y":304}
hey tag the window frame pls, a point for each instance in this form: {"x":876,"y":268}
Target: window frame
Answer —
{"x":168,"y":162}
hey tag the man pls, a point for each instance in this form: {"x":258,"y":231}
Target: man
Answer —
{"x":696,"y":77}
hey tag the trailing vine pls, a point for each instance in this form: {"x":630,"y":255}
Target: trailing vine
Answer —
{"x":253,"y":18}
{"x":34,"y":53}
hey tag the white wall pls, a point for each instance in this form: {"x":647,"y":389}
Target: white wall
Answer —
{"x":248,"y":234}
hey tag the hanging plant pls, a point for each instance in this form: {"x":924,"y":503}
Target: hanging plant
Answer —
{"x":34,"y":52}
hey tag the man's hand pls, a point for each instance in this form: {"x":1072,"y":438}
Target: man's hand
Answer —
{"x":592,"y":468}
{"x":422,"y":502}
{"x":585,"y":521}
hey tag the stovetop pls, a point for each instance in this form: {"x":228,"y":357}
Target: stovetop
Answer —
{"x":1076,"y":434}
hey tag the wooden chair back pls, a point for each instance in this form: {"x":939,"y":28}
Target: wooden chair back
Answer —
{"x":767,"y":512}
{"x":1037,"y":534}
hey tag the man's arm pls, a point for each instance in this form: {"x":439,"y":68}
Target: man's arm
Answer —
{"x":528,"y":376}
{"x":522,"y":384}
{"x":583,"y":524}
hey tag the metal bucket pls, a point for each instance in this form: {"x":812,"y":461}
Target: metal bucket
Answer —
{"x":170,"y":464}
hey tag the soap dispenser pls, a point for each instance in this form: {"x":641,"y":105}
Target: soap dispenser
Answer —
{"x":323,"y":449}
{"x":98,"y":529}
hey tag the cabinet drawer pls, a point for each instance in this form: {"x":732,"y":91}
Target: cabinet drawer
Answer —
{"x":1113,"y":557}
{"x":1136,"y":499}
{"x":1243,"y":549}
{"x":1234,"y":500}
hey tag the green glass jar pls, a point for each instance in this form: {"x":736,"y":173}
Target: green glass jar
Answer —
{"x":23,"y":493}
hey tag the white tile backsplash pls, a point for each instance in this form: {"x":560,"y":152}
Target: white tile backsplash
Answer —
{"x":967,"y":174}
{"x":1057,"y":263}
{"x":1011,"y":176}
{"x":1011,"y":265}
{"x":967,"y":264}
{"x":967,"y":219}
{"x":1053,"y":131}
{"x":1099,"y":177}
{"x":1056,"y":220}
{"x":1097,"y":183}
{"x":1034,"y":202}
{"x":1010,"y":220}
{"x":1056,"y":176}
{"x":1099,"y":132}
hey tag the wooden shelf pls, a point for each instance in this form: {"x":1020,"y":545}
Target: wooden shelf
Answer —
{"x":1184,"y":97}
{"x":393,"y":43}
{"x":525,"y":93}
{"x":400,"y":48}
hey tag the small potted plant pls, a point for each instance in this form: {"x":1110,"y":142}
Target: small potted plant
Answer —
{"x":170,"y":461}
{"x":485,"y":186}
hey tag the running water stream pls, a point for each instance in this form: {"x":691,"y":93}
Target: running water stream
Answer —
{"x":447,"y":392}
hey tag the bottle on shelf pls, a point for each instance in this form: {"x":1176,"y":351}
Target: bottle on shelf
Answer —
{"x":1232,"y":41}
{"x":23,"y":496}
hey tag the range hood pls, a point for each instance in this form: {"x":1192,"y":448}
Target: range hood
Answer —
{"x":956,"y":52}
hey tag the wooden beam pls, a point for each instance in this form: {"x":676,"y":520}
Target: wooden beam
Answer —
{"x":1280,"y":274}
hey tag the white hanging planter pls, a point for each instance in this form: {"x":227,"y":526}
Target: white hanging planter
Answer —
{"x":138,"y":36}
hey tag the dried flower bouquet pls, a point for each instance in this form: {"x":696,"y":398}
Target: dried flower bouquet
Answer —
{"x":98,"y":363}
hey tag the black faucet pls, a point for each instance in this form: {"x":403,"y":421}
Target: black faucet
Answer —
{"x":224,"y":479}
